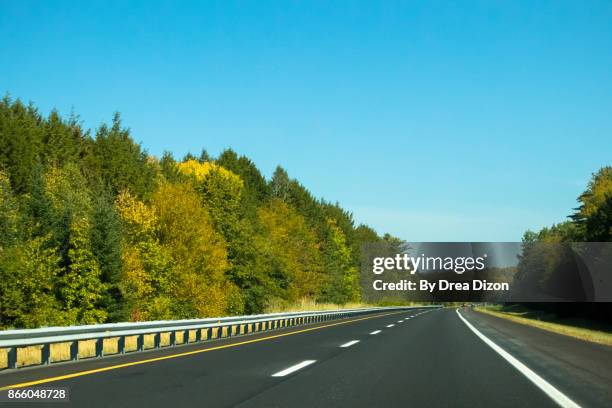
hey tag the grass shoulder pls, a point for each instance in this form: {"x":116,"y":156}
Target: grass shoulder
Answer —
{"x":578,"y":328}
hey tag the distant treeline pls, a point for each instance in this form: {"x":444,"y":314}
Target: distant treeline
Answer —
{"x":94,"y":229}
{"x":552,"y":268}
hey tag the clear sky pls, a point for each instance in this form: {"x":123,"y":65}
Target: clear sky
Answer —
{"x":441,"y":121}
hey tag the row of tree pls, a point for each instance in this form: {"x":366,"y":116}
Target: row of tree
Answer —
{"x":553,"y":259}
{"x":93,"y":229}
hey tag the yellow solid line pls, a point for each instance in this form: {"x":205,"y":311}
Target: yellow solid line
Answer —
{"x":151,"y":360}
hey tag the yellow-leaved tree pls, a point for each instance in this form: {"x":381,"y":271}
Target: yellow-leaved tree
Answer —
{"x":200,"y":287}
{"x":146,"y":267}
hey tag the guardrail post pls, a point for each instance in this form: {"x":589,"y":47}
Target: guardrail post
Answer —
{"x":157,"y":340}
{"x":185,"y":337}
{"x":121,"y":345}
{"x":100,"y":347}
{"x":140,"y":342}
{"x":74,"y":350}
{"x":172,"y":339}
{"x":45,"y":354}
{"x":12,"y":357}
{"x":198,"y":335}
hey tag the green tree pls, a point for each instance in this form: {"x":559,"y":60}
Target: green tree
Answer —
{"x":62,"y":142}
{"x":292,"y":252}
{"x":20,"y":142}
{"x":9,"y":214}
{"x":343,"y":281}
{"x":119,"y":161}
{"x":81,"y":288}
{"x":594,"y":215}
{"x":106,"y":247}
{"x":28,"y":273}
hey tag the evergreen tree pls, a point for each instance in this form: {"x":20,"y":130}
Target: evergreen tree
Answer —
{"x":120,"y":162}
{"x":20,"y":139}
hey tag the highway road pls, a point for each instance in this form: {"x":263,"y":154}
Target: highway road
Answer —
{"x":417,"y":358}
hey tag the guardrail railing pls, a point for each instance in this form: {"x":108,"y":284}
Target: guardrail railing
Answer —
{"x":202,"y":330}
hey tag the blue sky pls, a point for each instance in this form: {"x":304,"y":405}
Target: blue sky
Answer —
{"x":435,"y":121}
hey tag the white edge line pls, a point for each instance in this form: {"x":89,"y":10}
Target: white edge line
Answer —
{"x":294,"y":368}
{"x":541,"y":383}
{"x":349,"y":344}
{"x":375,"y":332}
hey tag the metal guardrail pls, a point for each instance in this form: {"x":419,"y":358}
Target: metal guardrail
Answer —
{"x":203,"y":329}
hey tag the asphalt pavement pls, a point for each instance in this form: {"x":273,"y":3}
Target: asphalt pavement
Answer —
{"x":417,"y":358}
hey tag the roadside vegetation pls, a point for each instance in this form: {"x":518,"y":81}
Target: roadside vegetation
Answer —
{"x":548,"y":261}
{"x":580,"y":328}
{"x":94,"y":229}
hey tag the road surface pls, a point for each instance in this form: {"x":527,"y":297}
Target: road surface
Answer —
{"x":414,"y":358}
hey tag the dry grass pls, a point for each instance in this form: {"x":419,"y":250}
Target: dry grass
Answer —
{"x":595,"y":336}
{"x":307,"y":304}
{"x":87,"y":348}
{"x":279,"y":306}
